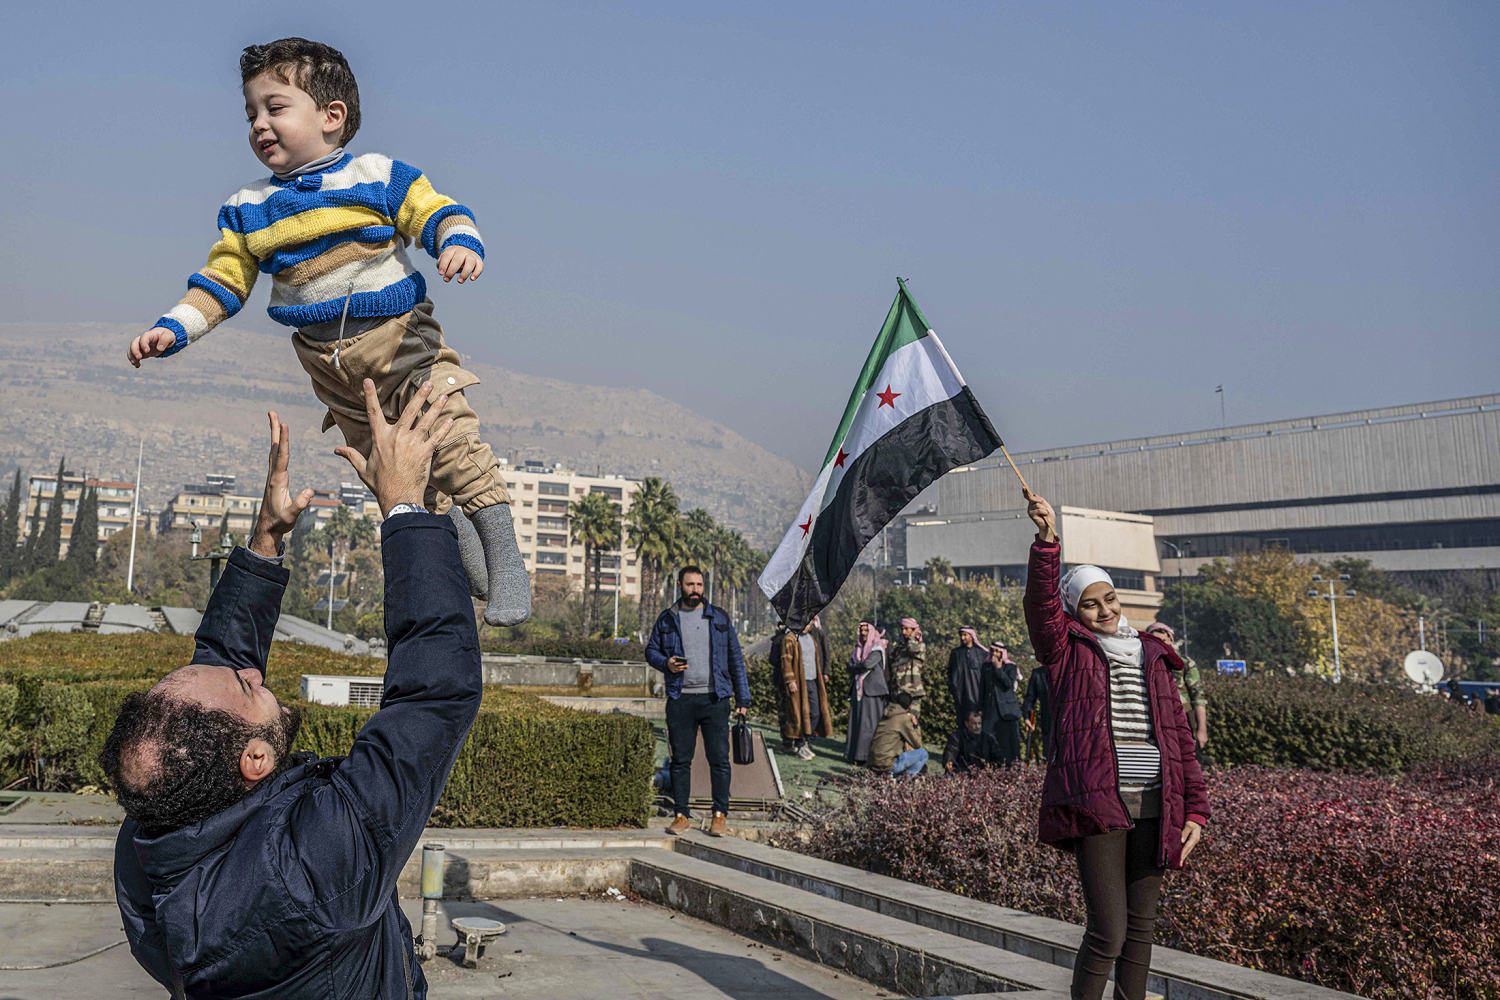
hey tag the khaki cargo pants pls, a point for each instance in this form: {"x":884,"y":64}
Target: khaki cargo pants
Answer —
{"x":399,"y":356}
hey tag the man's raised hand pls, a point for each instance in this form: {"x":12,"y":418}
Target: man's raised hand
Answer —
{"x":279,"y":510}
{"x":153,"y":343}
{"x":400,"y":453}
{"x":1042,"y":515}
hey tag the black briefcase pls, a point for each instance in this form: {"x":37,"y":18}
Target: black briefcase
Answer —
{"x":743,"y":743}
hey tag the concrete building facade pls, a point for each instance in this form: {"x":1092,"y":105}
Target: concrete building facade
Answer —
{"x":539,"y":496}
{"x":1414,"y":489}
{"x":995,"y":544}
{"x":116,"y":500}
{"x":213,"y":506}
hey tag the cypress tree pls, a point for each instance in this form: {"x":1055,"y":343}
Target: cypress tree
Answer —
{"x":10,"y":530}
{"x":47,"y":542}
{"x":83,"y":547}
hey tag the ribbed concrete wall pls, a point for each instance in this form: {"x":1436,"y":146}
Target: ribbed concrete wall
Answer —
{"x":1449,"y":444}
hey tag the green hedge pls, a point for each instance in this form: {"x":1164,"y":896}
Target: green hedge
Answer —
{"x":1280,"y":721}
{"x":583,"y":649}
{"x":81,"y":658}
{"x":527,"y":762}
{"x":51,"y":734}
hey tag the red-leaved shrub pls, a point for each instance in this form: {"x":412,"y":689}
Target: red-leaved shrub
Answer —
{"x":1385,"y":887}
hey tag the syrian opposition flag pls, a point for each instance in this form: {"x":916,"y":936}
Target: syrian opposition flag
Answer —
{"x":909,"y":420}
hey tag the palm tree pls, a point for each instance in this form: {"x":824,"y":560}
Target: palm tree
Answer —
{"x":594,"y":520}
{"x":340,"y":529}
{"x":700,"y":544}
{"x":651,"y":529}
{"x":939,"y":570}
{"x":361,"y":533}
{"x":735,"y":560}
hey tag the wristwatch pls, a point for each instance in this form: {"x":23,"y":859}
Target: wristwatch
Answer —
{"x":406,"y":508}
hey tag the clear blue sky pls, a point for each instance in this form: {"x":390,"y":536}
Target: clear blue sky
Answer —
{"x":1104,"y":209}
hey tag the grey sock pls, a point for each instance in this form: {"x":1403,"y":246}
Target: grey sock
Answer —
{"x":472,"y":552}
{"x":510,"y":587}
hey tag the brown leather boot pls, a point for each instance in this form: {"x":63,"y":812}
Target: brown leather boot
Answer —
{"x":718,"y":826}
{"x":679,"y":825}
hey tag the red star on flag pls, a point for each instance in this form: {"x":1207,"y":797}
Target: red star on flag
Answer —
{"x":838,"y":463}
{"x":806,"y":526}
{"x":887,"y":398}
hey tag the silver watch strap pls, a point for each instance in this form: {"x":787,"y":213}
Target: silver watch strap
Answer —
{"x":406,"y":508}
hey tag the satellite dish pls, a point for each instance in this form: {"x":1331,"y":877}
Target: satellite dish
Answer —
{"x":1423,"y":667}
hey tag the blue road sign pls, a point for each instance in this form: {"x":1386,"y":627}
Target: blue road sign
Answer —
{"x":1231,"y":667}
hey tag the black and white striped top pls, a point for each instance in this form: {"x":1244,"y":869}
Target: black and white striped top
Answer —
{"x":1139,"y":760}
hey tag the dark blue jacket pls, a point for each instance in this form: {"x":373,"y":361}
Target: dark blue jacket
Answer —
{"x":727,"y":662}
{"x":291,"y":892}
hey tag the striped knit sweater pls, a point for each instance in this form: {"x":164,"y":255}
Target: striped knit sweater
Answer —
{"x":314,"y":235}
{"x":1138,"y":760}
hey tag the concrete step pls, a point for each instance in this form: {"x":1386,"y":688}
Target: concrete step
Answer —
{"x":56,"y":836}
{"x":52,"y":862}
{"x":895,"y":954}
{"x":1174,"y":973}
{"x":81,"y":874}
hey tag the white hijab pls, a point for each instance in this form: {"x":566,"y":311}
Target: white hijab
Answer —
{"x":1123,"y":648}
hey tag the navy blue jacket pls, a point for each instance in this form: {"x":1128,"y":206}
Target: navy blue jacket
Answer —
{"x":291,"y":892}
{"x":727,"y":662}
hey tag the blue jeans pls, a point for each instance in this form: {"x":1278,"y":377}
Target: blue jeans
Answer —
{"x":911,"y":762}
{"x":686,"y":714}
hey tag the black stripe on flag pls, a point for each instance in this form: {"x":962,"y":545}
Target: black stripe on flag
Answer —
{"x":883,"y":479}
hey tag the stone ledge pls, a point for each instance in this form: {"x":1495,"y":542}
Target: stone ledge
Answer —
{"x":1176,"y":974}
{"x":895,"y":954}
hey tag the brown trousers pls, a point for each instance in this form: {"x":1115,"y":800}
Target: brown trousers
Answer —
{"x":1121,"y":889}
{"x":399,"y":356}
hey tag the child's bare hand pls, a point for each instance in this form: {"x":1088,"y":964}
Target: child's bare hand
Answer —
{"x":155,"y":341}
{"x":460,"y":262}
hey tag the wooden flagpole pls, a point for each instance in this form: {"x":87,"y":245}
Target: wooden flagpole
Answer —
{"x":1014,"y":469}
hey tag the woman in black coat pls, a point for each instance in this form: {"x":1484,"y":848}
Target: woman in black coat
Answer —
{"x":998,"y":680}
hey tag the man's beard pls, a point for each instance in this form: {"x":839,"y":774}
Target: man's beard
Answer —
{"x":281,"y":734}
{"x":692,"y":600}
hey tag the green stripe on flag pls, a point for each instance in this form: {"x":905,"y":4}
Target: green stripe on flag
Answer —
{"x":904,"y":324}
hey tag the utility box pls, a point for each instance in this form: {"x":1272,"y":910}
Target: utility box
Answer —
{"x":329,"y":689}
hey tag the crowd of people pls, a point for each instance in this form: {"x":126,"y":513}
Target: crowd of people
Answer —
{"x":991,"y":704}
{"x":1118,"y":715}
{"x":1487,"y":701}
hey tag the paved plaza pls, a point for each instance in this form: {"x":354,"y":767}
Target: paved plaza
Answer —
{"x":552,"y":948}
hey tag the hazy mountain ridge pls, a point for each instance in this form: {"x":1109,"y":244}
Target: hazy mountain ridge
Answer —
{"x":70,"y":391}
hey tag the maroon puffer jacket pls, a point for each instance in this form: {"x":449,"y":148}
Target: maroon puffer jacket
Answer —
{"x":1080,"y":796}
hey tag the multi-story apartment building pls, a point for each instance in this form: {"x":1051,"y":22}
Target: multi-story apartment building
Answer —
{"x":540,"y":495}
{"x":213,"y":505}
{"x":115,"y":502}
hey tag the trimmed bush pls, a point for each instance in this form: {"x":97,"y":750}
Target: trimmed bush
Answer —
{"x":527,"y":762}
{"x":582,"y":649}
{"x":1379,"y":886}
{"x":74,"y":658}
{"x":1279,"y":721}
{"x":51,"y":734}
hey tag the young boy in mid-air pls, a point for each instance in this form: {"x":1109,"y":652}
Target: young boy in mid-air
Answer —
{"x":331,"y":229}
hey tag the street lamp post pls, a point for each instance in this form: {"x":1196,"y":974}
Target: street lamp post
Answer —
{"x":329,"y":626}
{"x":1333,"y":598}
{"x":1181,"y":593}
